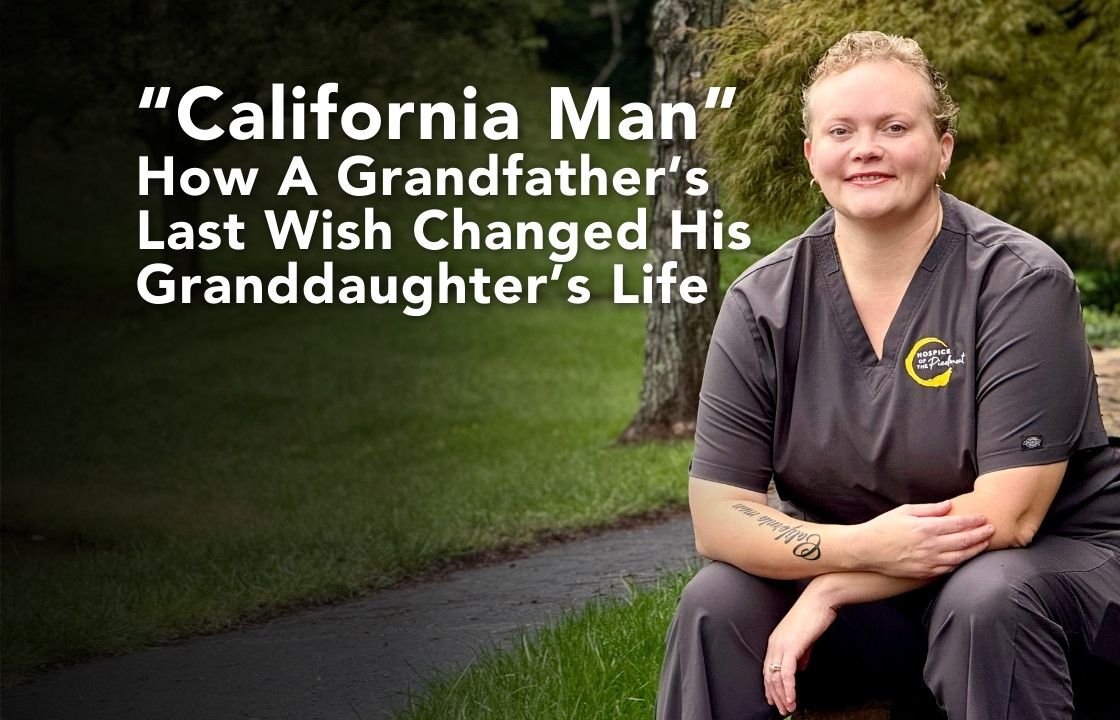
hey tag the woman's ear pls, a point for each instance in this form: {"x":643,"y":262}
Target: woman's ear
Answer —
{"x":946,"y":151}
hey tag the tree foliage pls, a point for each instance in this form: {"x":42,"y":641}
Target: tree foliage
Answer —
{"x":1039,"y":132}
{"x":579,"y":44}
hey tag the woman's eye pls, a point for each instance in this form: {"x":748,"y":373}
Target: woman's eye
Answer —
{"x":837,"y":132}
{"x":896,"y":128}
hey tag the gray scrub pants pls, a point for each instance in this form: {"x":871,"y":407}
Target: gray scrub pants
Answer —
{"x":1002,"y":637}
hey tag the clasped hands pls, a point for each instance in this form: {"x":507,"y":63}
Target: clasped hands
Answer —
{"x":908,"y":545}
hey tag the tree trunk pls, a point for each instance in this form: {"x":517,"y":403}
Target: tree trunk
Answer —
{"x":677,"y":333}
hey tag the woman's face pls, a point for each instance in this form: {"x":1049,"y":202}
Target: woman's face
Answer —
{"x":873,"y":147}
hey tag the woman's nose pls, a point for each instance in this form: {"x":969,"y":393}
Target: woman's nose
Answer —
{"x":866,"y":147}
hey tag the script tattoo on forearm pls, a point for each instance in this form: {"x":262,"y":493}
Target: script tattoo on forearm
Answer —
{"x":808,"y":545}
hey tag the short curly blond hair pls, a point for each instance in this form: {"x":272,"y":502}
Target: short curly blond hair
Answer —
{"x":857,"y":47}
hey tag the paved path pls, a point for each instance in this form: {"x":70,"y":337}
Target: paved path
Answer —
{"x":360,"y":659}
{"x":357,"y":659}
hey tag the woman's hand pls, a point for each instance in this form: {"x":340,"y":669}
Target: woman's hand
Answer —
{"x":814,"y":612}
{"x":790,"y":645}
{"x":922,"y":541}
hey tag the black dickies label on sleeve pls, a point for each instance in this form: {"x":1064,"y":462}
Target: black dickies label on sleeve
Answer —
{"x":1030,"y":442}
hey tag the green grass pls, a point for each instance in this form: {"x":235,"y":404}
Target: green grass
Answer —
{"x":602,"y":663}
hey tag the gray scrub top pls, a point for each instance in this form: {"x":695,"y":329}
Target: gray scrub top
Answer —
{"x":984,"y":367}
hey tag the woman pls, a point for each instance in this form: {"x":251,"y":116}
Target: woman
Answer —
{"x":913,"y":375}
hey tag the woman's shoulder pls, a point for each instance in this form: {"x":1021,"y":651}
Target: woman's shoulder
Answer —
{"x":993,"y":242}
{"x":1009,"y":266}
{"x":777,"y":274}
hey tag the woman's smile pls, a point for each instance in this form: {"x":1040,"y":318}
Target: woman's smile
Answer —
{"x":868,"y":178}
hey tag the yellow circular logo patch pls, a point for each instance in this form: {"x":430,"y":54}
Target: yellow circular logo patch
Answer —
{"x":930,"y":365}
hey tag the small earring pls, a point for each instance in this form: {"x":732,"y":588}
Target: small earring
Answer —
{"x":812,"y":182}
{"x":942,"y":174}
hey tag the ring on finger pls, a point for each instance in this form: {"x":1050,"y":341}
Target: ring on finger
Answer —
{"x":775,"y":667}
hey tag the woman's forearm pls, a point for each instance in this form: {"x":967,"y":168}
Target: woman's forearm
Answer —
{"x":768,"y":543}
{"x":850,"y":588}
{"x":763,"y":541}
{"x":737,"y":527}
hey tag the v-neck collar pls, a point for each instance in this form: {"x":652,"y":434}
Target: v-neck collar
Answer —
{"x":877,"y":370}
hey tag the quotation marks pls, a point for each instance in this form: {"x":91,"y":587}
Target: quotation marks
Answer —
{"x":161,"y":99}
{"x":713,"y":98}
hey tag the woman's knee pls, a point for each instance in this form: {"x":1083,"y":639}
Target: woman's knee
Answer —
{"x":721,"y":595}
{"x":984,"y":590}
